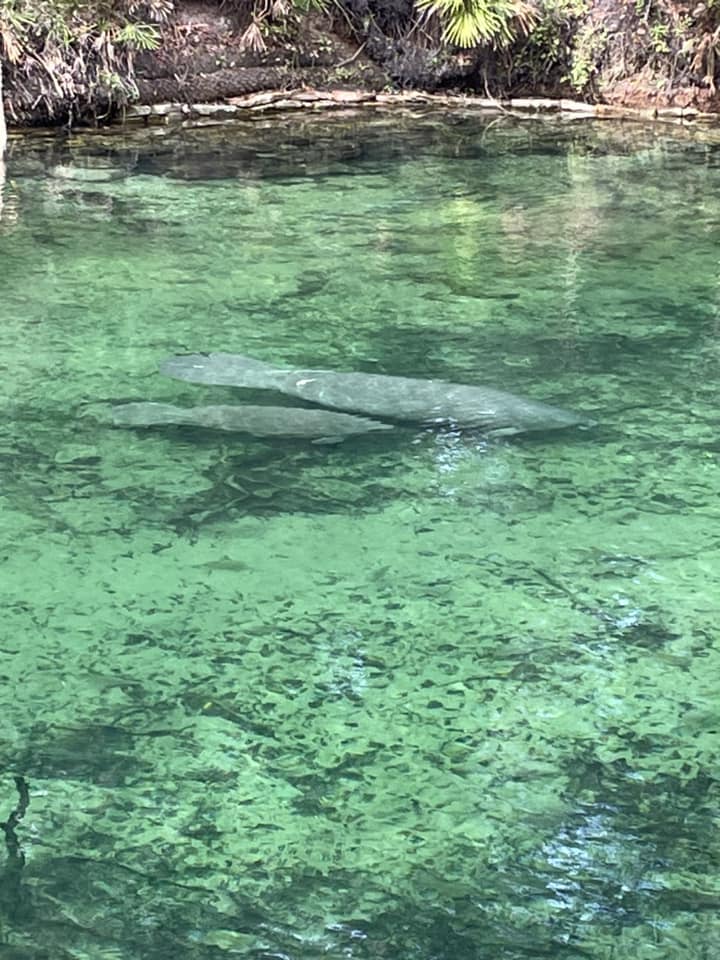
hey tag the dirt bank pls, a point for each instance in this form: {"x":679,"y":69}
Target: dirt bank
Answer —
{"x":649,"y":56}
{"x":646,"y":56}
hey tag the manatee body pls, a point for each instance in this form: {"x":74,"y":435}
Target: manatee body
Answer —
{"x":320,"y":426}
{"x":399,"y":398}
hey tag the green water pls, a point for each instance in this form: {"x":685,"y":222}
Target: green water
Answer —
{"x":419,"y":695}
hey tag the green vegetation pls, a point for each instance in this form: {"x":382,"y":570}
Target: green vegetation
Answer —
{"x":590,"y":43}
{"x":70,"y":58}
{"x":546,"y":57}
{"x":469,"y":22}
{"x":66,"y":56}
{"x":66,"y":60}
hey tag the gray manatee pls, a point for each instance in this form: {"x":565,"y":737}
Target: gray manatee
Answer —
{"x":399,"y":398}
{"x":320,"y":426}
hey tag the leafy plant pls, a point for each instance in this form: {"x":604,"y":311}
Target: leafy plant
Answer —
{"x":60,"y":54}
{"x":259,"y":14}
{"x":659,"y":33}
{"x":544,"y":57}
{"x":141,"y":36}
{"x":469,"y":22}
{"x":589,"y":45}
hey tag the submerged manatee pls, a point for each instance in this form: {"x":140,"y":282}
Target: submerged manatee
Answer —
{"x":400,"y":398}
{"x":320,"y":426}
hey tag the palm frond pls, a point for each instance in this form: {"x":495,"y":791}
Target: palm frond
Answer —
{"x":469,"y":22}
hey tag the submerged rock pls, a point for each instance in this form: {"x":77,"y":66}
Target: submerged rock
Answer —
{"x":87,"y":173}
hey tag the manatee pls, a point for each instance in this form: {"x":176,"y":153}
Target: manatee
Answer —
{"x":320,"y":426}
{"x":398,"y":398}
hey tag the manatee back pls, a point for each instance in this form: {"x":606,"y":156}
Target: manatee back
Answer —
{"x":222,"y":369}
{"x":298,"y":422}
{"x":320,"y":426}
{"x":144,"y":414}
{"x":426,"y":401}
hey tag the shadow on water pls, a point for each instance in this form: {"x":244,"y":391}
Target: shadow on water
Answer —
{"x":282,"y":477}
{"x":188,"y":478}
{"x":271,"y":478}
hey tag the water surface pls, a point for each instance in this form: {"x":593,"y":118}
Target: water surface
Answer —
{"x":419,"y":695}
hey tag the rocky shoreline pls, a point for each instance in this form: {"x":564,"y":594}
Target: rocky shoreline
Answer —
{"x":203,"y":73}
{"x":347,"y":103}
{"x":308,"y":99}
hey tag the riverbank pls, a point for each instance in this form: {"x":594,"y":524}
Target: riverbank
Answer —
{"x":613,"y":60}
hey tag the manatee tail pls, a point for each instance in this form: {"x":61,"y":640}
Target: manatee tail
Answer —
{"x":227,"y":369}
{"x":149,"y":414}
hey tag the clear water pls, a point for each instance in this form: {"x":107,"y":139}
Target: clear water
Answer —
{"x":416,"y":696}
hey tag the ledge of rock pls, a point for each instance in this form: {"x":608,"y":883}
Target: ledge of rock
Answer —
{"x":235,"y":107}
